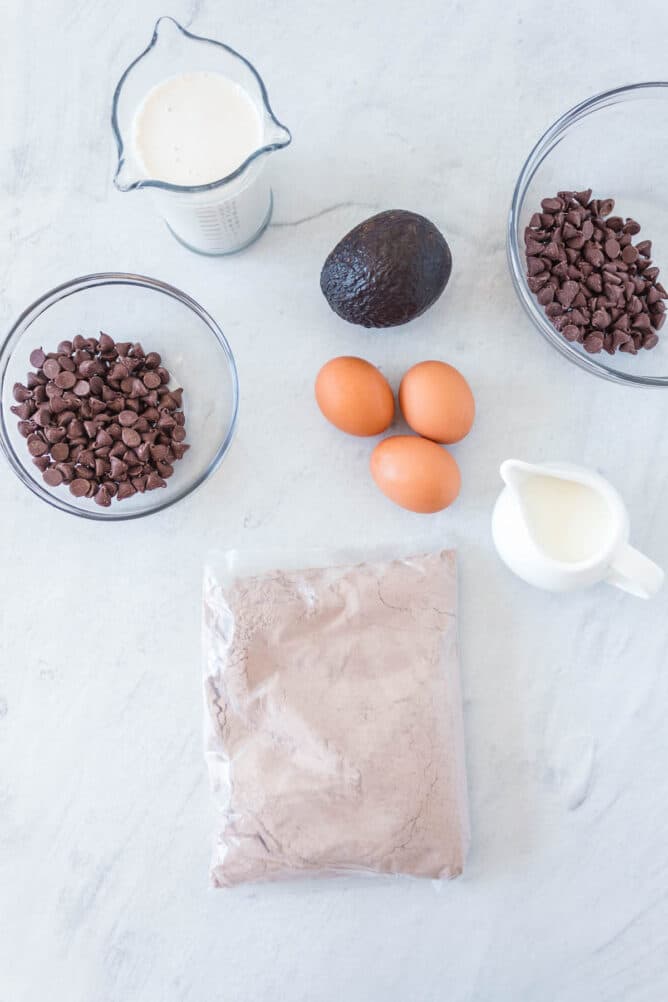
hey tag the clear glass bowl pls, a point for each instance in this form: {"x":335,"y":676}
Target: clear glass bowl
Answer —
{"x":617,"y":144}
{"x":129,"y":308}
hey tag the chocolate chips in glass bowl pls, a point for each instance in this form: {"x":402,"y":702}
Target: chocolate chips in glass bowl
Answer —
{"x":596,"y":286}
{"x":100,"y":417}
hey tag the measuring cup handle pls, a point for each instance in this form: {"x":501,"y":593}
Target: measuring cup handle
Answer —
{"x":632,"y":571}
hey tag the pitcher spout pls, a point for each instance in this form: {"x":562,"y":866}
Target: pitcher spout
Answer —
{"x":516,"y":472}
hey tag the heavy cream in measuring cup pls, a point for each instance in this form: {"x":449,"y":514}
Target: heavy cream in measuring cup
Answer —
{"x":195,"y":128}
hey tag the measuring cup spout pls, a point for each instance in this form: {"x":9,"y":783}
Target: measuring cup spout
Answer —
{"x":223,"y":214}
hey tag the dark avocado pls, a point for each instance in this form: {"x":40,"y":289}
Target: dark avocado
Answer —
{"x":387,"y":271}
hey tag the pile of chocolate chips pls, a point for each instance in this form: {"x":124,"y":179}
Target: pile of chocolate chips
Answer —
{"x":595,"y":285}
{"x":100,"y":416}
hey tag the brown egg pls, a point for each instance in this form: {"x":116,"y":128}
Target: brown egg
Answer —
{"x":354,"y":396}
{"x":415,"y":473}
{"x":437,"y":402}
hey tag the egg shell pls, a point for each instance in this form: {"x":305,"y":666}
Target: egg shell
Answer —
{"x":354,"y":396}
{"x":415,"y":473}
{"x":437,"y":402}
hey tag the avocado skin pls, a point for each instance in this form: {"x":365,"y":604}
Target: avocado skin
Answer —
{"x":387,"y":271}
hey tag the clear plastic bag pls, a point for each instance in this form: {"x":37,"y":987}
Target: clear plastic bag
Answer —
{"x":334,"y":735}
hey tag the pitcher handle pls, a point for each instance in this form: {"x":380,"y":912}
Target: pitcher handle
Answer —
{"x":635,"y":573}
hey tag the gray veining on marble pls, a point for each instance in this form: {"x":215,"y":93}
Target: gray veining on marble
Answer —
{"x":104,"y":809}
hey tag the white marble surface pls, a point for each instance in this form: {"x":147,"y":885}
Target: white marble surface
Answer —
{"x":104,"y":808}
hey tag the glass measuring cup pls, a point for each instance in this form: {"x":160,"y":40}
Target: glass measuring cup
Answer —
{"x":227,"y":214}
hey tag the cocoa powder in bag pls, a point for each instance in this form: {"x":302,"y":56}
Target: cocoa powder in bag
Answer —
{"x":335,"y":738}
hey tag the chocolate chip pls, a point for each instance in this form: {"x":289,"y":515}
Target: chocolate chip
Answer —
{"x":565,"y":295}
{"x":131,"y":438}
{"x":153,"y":481}
{"x":546,"y":296}
{"x":594,"y":255}
{"x":21,"y":393}
{"x":24,"y":410}
{"x":533,"y":248}
{"x":119,"y":468}
{"x":88,"y":369}
{"x":60,"y":452}
{"x":67,"y":470}
{"x":125,"y":490}
{"x":593,"y":344}
{"x":65,"y":380}
{"x":37,"y":358}
{"x":102,"y":497}
{"x":138,"y":388}
{"x":36,"y":445}
{"x":600,"y":319}
{"x":53,"y":477}
{"x":127,"y":418}
{"x":159,"y":452}
{"x":612,"y":248}
{"x":103,"y":438}
{"x":166,"y":421}
{"x":152,"y":380}
{"x":51,"y":368}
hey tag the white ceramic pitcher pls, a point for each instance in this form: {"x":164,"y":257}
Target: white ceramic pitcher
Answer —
{"x":579,"y":539}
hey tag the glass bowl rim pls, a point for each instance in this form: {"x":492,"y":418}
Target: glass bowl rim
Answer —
{"x":80,"y":284}
{"x":541,"y":149}
{"x":277,"y":144}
